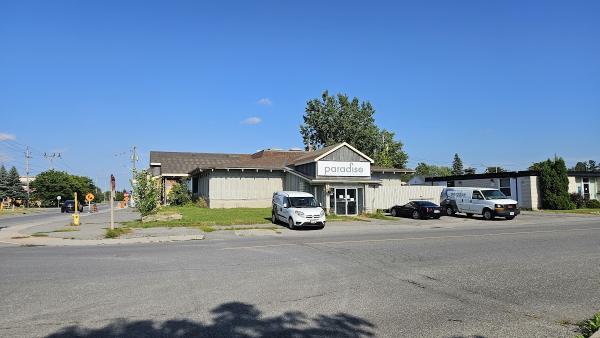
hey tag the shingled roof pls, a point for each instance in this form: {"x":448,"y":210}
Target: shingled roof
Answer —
{"x":178,"y":163}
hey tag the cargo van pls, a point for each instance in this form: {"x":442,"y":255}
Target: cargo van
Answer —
{"x":297,"y":209}
{"x":481,"y":201}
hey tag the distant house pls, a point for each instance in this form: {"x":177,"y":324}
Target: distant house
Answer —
{"x":340,"y":177}
{"x":522,"y":186}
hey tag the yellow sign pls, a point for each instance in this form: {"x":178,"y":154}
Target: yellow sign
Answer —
{"x":89,"y":197}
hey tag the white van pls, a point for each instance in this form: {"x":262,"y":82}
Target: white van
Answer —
{"x":297,"y":208}
{"x":481,"y":201}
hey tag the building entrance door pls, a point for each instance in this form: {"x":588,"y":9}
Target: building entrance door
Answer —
{"x":345,"y":201}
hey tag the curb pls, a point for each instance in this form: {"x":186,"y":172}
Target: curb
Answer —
{"x":596,"y":335}
{"x":34,"y":241}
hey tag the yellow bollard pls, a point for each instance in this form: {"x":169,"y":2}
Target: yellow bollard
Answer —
{"x":76,"y":213}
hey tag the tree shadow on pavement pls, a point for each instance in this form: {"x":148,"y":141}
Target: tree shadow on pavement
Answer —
{"x":234,"y":319}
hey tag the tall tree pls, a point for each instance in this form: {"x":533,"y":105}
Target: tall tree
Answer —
{"x":51,"y":183}
{"x":429,"y":170}
{"x":554,"y":184}
{"x":457,"y":166}
{"x":389,"y":152}
{"x":14,"y":187}
{"x":333,"y":119}
{"x":3,"y":182}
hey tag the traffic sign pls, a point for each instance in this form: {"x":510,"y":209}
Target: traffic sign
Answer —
{"x":89,"y":197}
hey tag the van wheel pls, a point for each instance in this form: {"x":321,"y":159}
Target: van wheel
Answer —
{"x":394,"y":212}
{"x":416,"y":214}
{"x":487,"y":214}
{"x":273,"y":218}
{"x":450,"y":211}
{"x":291,"y":224}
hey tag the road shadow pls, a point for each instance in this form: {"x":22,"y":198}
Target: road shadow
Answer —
{"x":234,"y":319}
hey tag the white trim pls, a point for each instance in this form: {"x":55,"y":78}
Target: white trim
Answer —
{"x":174,"y":175}
{"x":155,"y":163}
{"x":334,"y":149}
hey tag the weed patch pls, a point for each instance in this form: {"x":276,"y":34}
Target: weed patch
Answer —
{"x":588,"y":327}
{"x":40,"y":234}
{"x":116,"y":232}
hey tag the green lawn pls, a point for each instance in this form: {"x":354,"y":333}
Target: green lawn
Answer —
{"x":203,"y":217}
{"x":199,"y":217}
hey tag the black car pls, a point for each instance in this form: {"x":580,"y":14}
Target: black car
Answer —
{"x":69,"y":206}
{"x":417,"y":210}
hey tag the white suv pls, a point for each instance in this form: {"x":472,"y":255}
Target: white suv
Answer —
{"x":297,"y":209}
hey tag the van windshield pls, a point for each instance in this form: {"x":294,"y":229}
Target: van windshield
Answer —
{"x":493,"y":195}
{"x":303,"y":202}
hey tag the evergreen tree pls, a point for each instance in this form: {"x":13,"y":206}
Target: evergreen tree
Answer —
{"x":14,"y":187}
{"x":457,"y":166}
{"x":554,"y":184}
{"x":3,"y":182}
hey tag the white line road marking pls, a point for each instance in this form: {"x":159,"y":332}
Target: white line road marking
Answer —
{"x":410,"y":238}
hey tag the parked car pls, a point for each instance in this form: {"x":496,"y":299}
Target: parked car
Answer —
{"x":481,"y":201}
{"x":417,"y":210}
{"x":69,"y":206}
{"x":297,"y":209}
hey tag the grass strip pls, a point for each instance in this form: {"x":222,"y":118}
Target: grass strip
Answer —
{"x":116,"y":232}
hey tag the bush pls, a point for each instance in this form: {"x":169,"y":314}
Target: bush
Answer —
{"x":554,"y":184}
{"x":593,"y":204}
{"x":180,"y":194}
{"x":201,"y":203}
{"x":145,"y":193}
{"x":578,"y":200}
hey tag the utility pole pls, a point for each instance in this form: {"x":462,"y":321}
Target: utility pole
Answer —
{"x":134,"y":159}
{"x":27,"y":157}
{"x":51,"y":157}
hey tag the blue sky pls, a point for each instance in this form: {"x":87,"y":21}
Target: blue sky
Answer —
{"x":500,"y":82}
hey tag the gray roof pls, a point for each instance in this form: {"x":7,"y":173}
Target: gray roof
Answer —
{"x":183,"y":163}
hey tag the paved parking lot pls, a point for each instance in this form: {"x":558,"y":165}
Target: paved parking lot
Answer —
{"x":454,"y":277}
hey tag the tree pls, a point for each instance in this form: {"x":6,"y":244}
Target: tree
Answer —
{"x":586,"y":166}
{"x":3,"y":182}
{"x":180,"y":193}
{"x":457,"y":166}
{"x":334,"y":119}
{"x":145,"y":192}
{"x":554,"y":184}
{"x":52,"y":183}
{"x":14,"y":187}
{"x":491,"y":170}
{"x":427,"y":170}
{"x":389,"y":153}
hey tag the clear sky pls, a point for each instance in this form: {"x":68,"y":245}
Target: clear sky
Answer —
{"x":500,"y":82}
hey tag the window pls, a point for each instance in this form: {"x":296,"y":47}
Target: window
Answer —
{"x":505,"y":186}
{"x":477,"y":195}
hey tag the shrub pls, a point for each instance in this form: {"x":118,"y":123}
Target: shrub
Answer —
{"x":578,"y":200}
{"x":145,"y":193}
{"x":593,"y":204}
{"x":180,"y":193}
{"x":116,"y":232}
{"x":201,"y":203}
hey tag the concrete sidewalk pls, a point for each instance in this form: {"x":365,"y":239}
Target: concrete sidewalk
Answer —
{"x":92,"y":231}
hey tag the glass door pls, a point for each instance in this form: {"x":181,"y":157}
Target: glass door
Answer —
{"x":340,"y":201}
{"x":345,"y":201}
{"x":351,"y":201}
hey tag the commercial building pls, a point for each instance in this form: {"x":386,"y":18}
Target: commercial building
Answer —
{"x":341,"y":178}
{"x":522,"y":186}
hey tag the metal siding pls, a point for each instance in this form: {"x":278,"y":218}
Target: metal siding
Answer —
{"x":309,"y":169}
{"x":243,"y":189}
{"x":344,"y":154}
{"x":392,"y":192}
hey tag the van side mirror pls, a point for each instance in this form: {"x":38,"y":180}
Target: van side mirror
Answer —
{"x":320,"y":204}
{"x":285,"y":205}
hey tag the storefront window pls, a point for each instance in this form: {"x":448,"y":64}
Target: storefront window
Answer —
{"x":505,"y":186}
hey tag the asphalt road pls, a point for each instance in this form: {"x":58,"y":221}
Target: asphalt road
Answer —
{"x":43,"y":216}
{"x":405,"y":279}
